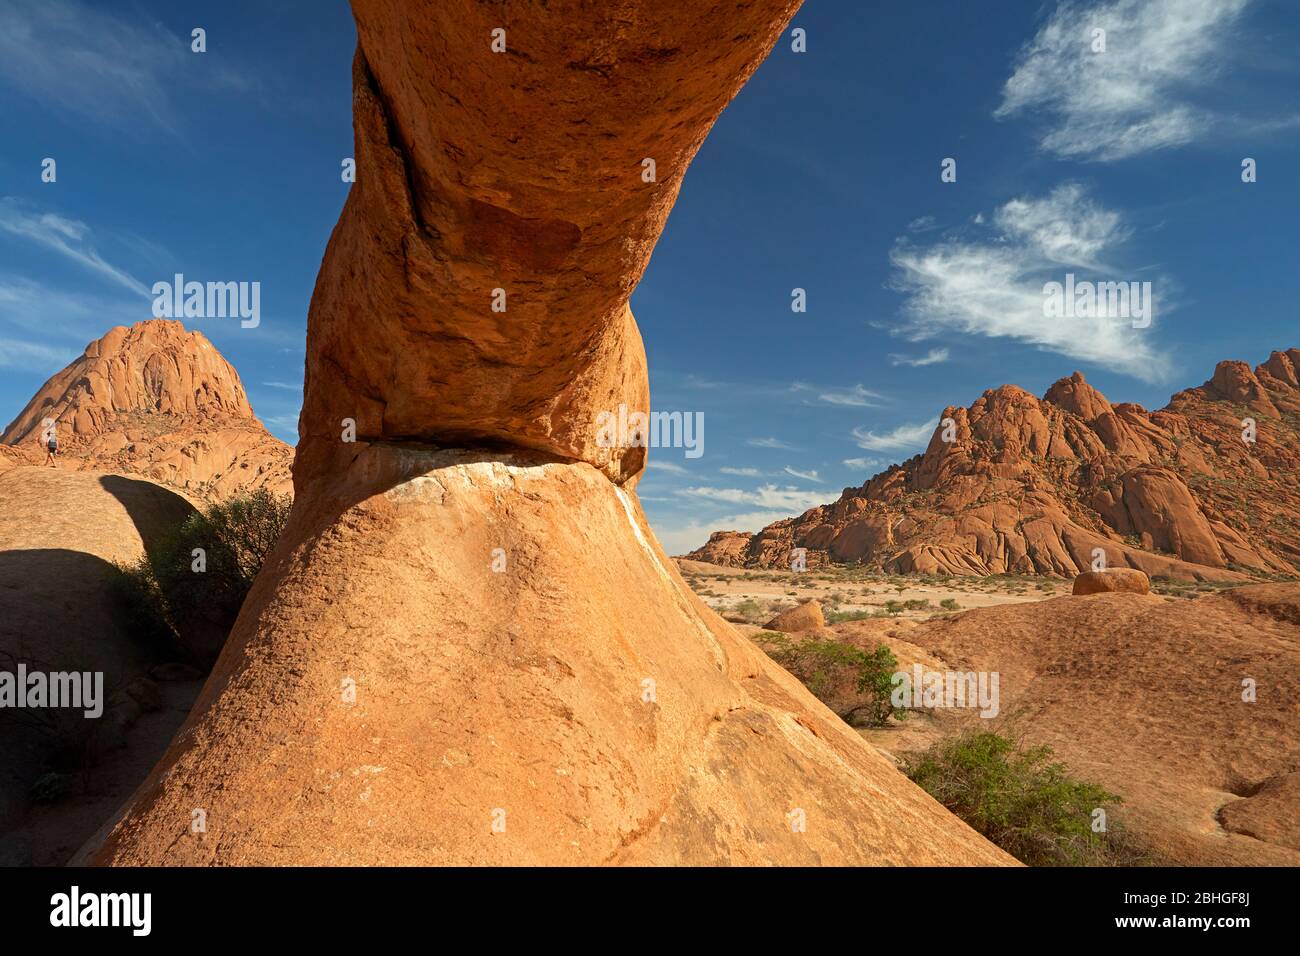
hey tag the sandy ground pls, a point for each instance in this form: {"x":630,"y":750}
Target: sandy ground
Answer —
{"x":852,"y":591}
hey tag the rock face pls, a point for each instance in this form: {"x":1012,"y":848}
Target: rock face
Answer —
{"x":1035,"y":486}
{"x":463,"y":655}
{"x":1128,"y":580}
{"x":157,"y":401}
{"x":805,"y":617}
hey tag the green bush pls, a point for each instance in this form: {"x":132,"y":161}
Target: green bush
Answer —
{"x":1022,"y":801}
{"x":164,"y":593}
{"x":747,"y":611}
{"x":850,"y":681}
{"x":949,"y":604}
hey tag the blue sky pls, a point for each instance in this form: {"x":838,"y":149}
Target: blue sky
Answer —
{"x":1122,"y":164}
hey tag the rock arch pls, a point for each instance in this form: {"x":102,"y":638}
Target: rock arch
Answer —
{"x":391,"y":694}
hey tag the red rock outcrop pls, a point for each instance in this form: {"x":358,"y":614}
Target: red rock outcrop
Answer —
{"x":157,"y":401}
{"x":1030,"y":486}
{"x":458,"y":655}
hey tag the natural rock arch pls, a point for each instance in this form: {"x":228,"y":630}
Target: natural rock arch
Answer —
{"x":468,"y":647}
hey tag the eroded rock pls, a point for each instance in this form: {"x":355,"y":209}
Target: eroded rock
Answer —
{"x":464,"y":656}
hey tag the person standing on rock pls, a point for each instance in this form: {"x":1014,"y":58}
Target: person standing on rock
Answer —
{"x":51,"y":442}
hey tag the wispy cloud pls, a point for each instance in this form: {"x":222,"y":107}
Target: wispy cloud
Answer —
{"x":994,"y":285}
{"x":863,"y":464}
{"x":68,"y":237}
{"x":287,"y":386}
{"x":789,"y":500}
{"x":805,"y":475}
{"x":1132,"y":97}
{"x":932,"y":357}
{"x":103,"y":66}
{"x":769,"y":443}
{"x":855,"y":395}
{"x":741,"y":472}
{"x":902,"y":438}
{"x":33,"y":356}
{"x":669,"y":467}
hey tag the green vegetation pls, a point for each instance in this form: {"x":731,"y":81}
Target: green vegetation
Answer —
{"x":187,"y":591}
{"x":1022,"y":801}
{"x":852,"y":682}
{"x":747,"y":611}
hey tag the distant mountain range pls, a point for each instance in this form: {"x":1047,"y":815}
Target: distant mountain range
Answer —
{"x":1204,"y":488}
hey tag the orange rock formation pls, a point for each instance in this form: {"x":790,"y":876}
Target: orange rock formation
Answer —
{"x":157,"y":401}
{"x":1035,"y":486}
{"x":460,"y":655}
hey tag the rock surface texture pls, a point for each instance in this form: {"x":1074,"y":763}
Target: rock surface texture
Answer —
{"x":157,"y":401}
{"x":468,"y":647}
{"x":1035,"y":486}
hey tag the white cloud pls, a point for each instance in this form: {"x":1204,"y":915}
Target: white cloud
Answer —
{"x":68,"y":237}
{"x":902,"y":438}
{"x":863,"y":464}
{"x":1133,"y":97}
{"x":994,"y":286}
{"x":769,"y":443}
{"x":1067,"y":227}
{"x":287,"y":386}
{"x":856,"y":396}
{"x":932,"y":357}
{"x":789,"y":500}
{"x":741,"y":472}
{"x":667,"y":466}
{"x":33,"y":356}
{"x":805,"y":475}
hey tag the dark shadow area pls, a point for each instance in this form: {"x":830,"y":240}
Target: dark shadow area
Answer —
{"x":63,"y":773}
{"x":154,"y":510}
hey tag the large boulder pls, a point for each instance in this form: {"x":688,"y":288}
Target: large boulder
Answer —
{"x":388,"y":701}
{"x":1127,"y":580}
{"x":806,"y":617}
